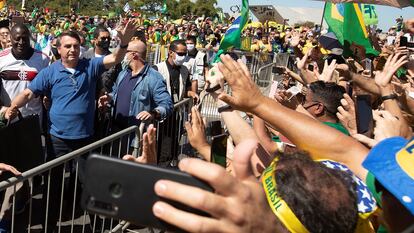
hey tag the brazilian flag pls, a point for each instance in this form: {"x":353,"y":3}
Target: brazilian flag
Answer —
{"x":231,"y":38}
{"x":346,"y":20}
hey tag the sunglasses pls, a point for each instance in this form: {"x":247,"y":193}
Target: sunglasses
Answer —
{"x":180,"y":54}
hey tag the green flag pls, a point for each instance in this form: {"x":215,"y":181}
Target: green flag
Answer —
{"x":164,"y":8}
{"x":232,"y":37}
{"x":347,"y":22}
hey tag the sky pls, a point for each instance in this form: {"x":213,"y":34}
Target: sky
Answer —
{"x":386,"y":15}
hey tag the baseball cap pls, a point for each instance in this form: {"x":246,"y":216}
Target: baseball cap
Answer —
{"x":392,"y":163}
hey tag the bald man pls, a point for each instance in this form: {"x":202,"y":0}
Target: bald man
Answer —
{"x":140,"y":92}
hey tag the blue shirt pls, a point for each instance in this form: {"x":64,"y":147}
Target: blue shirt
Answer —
{"x":122,"y":105}
{"x":71,"y":114}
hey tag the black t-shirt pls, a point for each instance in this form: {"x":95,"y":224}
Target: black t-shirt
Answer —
{"x":174,"y":72}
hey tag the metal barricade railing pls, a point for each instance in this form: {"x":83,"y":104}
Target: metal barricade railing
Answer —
{"x":170,"y":134}
{"x":68,"y":213}
{"x":43,"y":199}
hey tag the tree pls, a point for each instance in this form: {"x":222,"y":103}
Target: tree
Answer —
{"x":176,"y":8}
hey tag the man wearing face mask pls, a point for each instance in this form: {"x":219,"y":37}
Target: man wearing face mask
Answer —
{"x":178,"y":82}
{"x":196,"y":63}
{"x":101,"y":42}
{"x":175,"y":73}
{"x":140,"y":92}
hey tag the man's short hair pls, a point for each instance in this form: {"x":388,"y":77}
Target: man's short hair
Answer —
{"x":98,"y":30}
{"x":192,"y":38}
{"x":174,"y":44}
{"x":323,"y":199}
{"x":330,"y":94}
{"x":72,"y":34}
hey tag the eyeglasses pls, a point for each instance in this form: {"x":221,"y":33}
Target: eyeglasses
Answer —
{"x":180,"y":54}
{"x":311,"y":105}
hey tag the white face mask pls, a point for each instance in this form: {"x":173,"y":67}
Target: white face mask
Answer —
{"x":179,"y":60}
{"x":125,"y":63}
{"x":190,"y":46}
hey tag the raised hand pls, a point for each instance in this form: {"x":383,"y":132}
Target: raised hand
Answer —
{"x":394,"y":62}
{"x":126,"y":32}
{"x":328,"y":71}
{"x":346,"y":114}
{"x":234,"y":205}
{"x":245,"y":94}
{"x":301,"y":63}
{"x":197,"y":135}
{"x":149,"y":151}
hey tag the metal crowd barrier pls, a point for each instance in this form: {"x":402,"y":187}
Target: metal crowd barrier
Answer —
{"x":35,"y":214}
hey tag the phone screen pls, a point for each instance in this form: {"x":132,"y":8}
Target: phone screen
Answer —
{"x":219,"y":150}
{"x":403,"y":41}
{"x":215,"y":128}
{"x":364,"y":117}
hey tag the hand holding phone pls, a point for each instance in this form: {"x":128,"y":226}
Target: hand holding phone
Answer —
{"x":127,"y":191}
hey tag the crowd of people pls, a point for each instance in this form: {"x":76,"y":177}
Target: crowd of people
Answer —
{"x":299,"y":164}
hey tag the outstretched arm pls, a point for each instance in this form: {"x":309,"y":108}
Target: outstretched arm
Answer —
{"x":318,"y":140}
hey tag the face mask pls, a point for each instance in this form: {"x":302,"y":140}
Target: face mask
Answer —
{"x":179,"y":60}
{"x":103,"y":44}
{"x":125,"y":63}
{"x":190,"y":46}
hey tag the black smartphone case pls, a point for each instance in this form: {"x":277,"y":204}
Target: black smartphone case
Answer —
{"x":125,"y":190}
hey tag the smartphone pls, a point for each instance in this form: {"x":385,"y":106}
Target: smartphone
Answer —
{"x":364,"y":118}
{"x":215,"y":128}
{"x":120,"y":189}
{"x":403,"y":41}
{"x":219,"y":150}
{"x":368,"y":65}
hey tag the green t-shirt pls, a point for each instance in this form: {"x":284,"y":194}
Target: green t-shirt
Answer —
{"x":337,"y":126}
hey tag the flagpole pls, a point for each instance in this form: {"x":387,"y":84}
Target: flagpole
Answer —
{"x":323,"y":14}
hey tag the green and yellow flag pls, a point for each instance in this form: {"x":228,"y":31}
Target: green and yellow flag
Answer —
{"x":346,"y":20}
{"x":232,"y":37}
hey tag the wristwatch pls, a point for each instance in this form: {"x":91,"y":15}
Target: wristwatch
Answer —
{"x":389,"y":97}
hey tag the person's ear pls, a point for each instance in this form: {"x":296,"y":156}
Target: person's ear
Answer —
{"x":319,"y":110}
